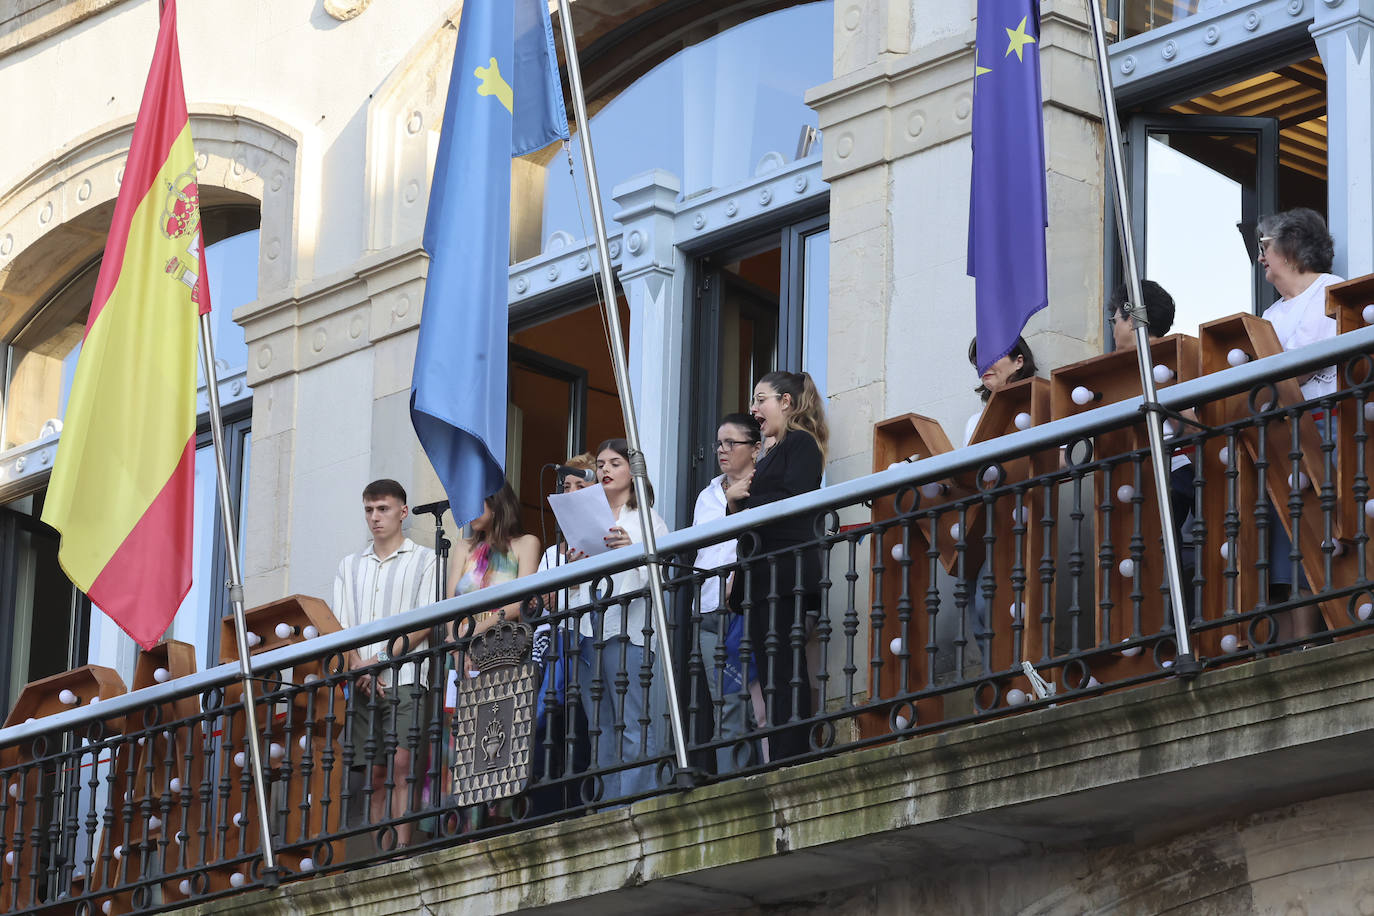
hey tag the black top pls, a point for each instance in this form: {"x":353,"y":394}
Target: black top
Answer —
{"x":790,"y":467}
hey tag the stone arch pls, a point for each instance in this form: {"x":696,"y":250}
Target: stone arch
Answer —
{"x":55,"y":220}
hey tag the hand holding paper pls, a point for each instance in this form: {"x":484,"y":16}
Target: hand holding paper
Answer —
{"x":585,"y":517}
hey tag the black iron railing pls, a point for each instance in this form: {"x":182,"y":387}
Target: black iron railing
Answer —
{"x":943,"y":591}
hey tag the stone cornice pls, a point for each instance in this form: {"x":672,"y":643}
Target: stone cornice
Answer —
{"x":40,"y":19}
{"x":899,"y":106}
{"x":1137,"y":764}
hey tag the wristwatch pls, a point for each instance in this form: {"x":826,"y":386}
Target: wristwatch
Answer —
{"x":383,"y":656}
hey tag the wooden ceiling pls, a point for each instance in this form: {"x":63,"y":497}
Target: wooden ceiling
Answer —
{"x":1295,"y":95}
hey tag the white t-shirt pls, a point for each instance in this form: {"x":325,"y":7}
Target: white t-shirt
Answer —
{"x":710,"y":506}
{"x":1301,"y":321}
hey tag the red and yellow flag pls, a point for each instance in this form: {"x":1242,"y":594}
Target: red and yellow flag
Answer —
{"x":122,"y":488}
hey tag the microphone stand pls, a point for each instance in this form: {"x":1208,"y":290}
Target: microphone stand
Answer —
{"x":441,"y":545}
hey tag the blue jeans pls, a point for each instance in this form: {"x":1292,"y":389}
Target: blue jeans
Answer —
{"x":619,"y":713}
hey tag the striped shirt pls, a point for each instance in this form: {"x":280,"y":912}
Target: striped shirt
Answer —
{"x":367,"y":588}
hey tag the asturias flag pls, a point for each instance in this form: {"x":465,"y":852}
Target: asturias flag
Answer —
{"x":122,"y":486}
{"x":504,"y":100}
{"x":1007,"y":212}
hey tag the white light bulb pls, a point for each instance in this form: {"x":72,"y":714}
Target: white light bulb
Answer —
{"x":1364,"y":610}
{"x":932,"y":490}
{"x":237,"y":879}
{"x":181,"y":837}
{"x":1229,"y":643}
{"x":1168,"y":663}
{"x":1369,"y":507}
{"x":1225,"y":550}
{"x":161,"y":675}
{"x":154,"y":823}
{"x":309,"y":631}
{"x":307,"y":864}
{"x":1131,"y":652}
{"x":311,"y":678}
{"x":1016,"y":697}
{"x":240,"y":761}
{"x":1163,"y":374}
{"x":895,"y":647}
{"x":304,"y":742}
{"x":92,"y":701}
{"x":895,"y":465}
{"x":990,"y":475}
{"x":254,"y":640}
{"x":1302,"y":481}
{"x":1020,"y":515}
{"x":106,"y":906}
{"x":142,"y":741}
{"x":1125,"y":493}
{"x":899,"y":552}
{"x":9,"y":857}
{"x":1237,"y":357}
{"x":118,"y":852}
{"x":1081,"y":396}
{"x":276,"y":751}
{"x":1337,"y":549}
{"x":1369,"y":410}
{"x":1367,"y":313}
{"x":1092,"y":682}
{"x":1022,"y":420}
{"x":954,"y":531}
{"x":901,"y":721}
{"x":1224,"y":455}
{"x":174,"y":784}
{"x":1017,"y":609}
{"x":238,"y":818}
{"x":30,"y":719}
{"x":1170,"y":429}
{"x":68,"y":698}
{"x":185,"y":887}
{"x":1127,"y":568}
{"x":283,"y":631}
{"x":14,"y":790}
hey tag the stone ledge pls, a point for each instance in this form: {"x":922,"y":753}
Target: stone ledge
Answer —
{"x":1133,"y":766}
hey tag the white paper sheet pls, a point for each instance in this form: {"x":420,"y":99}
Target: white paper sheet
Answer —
{"x":585,"y":517}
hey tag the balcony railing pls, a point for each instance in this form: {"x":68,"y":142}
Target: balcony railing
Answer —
{"x":956,"y":587}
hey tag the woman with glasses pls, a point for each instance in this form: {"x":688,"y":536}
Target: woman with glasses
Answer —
{"x":737,"y":448}
{"x":778,"y":609}
{"x":1296,"y":252}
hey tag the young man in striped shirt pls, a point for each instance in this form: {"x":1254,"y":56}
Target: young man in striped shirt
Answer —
{"x":391,"y":576}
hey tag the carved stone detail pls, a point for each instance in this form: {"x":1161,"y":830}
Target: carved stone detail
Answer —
{"x":344,"y":10}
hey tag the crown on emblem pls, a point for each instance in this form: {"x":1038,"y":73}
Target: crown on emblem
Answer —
{"x":508,"y":642}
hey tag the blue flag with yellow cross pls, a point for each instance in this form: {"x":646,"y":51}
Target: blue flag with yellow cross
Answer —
{"x":504,"y":100}
{"x":1007,"y":212}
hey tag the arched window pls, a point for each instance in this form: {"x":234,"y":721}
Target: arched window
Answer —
{"x":714,"y":114}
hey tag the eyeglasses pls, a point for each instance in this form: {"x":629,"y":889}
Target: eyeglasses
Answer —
{"x":729,"y":445}
{"x":760,"y":398}
{"x":1264,"y":243}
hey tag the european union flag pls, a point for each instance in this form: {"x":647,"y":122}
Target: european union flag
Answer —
{"x":504,"y":100}
{"x":1007,"y":212}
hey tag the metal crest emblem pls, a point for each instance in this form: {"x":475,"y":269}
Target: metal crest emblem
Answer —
{"x":494,"y":722}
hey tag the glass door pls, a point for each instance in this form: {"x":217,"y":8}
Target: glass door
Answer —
{"x":1198,"y":187}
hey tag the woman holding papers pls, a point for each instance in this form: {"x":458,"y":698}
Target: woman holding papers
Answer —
{"x":616,"y":662}
{"x":778,"y":610}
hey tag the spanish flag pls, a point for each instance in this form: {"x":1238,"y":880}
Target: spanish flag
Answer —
{"x":122,"y":486}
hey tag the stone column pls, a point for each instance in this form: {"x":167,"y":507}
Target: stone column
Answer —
{"x":651,"y":281}
{"x":1342,"y":30}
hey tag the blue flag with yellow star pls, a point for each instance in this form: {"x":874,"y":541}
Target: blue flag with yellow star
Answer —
{"x":504,"y":100}
{"x":1007,"y":212}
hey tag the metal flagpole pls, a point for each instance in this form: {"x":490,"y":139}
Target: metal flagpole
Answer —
{"x":1185,"y":664}
{"x":235,"y":585}
{"x":638,"y":467}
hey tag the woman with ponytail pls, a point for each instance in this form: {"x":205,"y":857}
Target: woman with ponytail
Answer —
{"x":791,"y":415}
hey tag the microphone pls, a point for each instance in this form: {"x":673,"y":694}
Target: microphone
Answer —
{"x":564,"y":472}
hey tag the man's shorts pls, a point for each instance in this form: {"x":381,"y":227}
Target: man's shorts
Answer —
{"x":389,"y":722}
